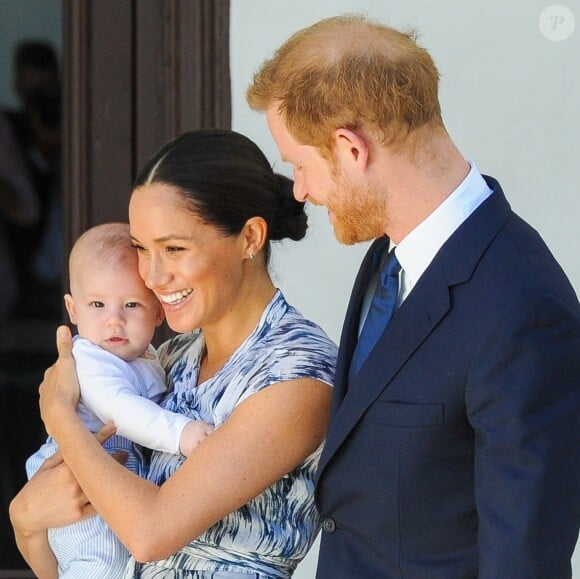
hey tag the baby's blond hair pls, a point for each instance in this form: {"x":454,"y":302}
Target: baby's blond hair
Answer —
{"x":108,"y":243}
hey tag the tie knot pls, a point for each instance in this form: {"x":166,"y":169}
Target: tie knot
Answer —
{"x":391,"y":268}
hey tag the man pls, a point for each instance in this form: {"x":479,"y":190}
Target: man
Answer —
{"x":452,"y":448}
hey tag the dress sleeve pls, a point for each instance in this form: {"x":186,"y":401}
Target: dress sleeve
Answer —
{"x":297,"y":350}
{"x":306,"y":355}
{"x":109,"y":389}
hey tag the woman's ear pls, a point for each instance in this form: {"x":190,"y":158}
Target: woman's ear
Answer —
{"x":254,"y":236}
{"x":351,"y":148}
{"x":69,"y":303}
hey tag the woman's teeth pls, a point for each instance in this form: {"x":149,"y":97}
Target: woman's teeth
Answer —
{"x":175,"y":298}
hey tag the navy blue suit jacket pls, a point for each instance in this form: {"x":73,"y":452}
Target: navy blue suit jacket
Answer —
{"x":453,"y":453}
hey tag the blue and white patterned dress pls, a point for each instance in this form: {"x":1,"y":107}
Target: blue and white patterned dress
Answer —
{"x":268,"y":536}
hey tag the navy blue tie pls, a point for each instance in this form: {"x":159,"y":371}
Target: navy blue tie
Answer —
{"x":380,"y":312}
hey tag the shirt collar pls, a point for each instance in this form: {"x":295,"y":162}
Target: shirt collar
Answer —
{"x":416,"y":251}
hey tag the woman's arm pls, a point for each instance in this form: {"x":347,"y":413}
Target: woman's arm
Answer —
{"x":51,"y":498}
{"x":38,"y":554}
{"x":266,"y":437}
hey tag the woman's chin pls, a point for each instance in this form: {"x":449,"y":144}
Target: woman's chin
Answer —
{"x":179,"y":320}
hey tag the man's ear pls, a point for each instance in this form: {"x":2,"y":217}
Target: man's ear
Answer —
{"x":351,"y":148}
{"x":69,"y":303}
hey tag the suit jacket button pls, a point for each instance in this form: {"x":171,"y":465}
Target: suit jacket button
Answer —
{"x":328,"y":525}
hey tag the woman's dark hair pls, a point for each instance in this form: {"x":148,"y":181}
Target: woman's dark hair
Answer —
{"x":226,"y":179}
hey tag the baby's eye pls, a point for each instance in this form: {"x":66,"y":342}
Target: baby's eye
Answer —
{"x":96,"y":304}
{"x":132,"y":305}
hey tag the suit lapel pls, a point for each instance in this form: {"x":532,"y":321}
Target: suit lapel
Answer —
{"x":420,"y":313}
{"x":349,"y":333}
{"x":410,"y":326}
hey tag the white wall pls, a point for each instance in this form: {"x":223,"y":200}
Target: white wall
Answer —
{"x":510,"y":100}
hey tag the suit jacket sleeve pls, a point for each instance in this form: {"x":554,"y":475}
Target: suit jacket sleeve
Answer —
{"x":523,"y":401}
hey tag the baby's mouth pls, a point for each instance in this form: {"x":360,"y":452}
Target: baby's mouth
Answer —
{"x":116,"y":339}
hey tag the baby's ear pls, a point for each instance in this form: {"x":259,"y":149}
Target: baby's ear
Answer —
{"x":69,"y":303}
{"x":160,"y":316}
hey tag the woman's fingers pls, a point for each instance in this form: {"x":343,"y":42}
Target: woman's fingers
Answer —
{"x":88,"y":511}
{"x":106,"y":432}
{"x":59,"y":391}
{"x":64,"y":342}
{"x":102,"y":436}
{"x":52,"y":461}
{"x":121,"y":456}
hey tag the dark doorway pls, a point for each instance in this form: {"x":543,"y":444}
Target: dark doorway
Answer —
{"x":31,"y":252}
{"x":135,"y":73}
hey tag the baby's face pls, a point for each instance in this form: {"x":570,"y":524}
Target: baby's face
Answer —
{"x":114,"y":310}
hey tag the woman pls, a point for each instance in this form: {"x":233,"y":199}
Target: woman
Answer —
{"x":202,"y":214}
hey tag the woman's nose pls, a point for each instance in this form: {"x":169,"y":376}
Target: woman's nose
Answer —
{"x":155,"y":274}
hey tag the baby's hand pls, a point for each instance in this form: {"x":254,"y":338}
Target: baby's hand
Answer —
{"x":193,"y":434}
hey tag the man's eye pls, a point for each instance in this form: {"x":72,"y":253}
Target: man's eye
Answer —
{"x":97,"y":304}
{"x":138,"y":247}
{"x":174,"y":249}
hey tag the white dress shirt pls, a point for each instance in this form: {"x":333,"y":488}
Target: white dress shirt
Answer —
{"x":418,"y":248}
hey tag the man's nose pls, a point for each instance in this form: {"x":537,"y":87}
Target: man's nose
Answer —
{"x":299,"y":190}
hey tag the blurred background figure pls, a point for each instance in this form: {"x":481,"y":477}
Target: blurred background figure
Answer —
{"x":30,"y":260}
{"x":19,"y":207}
{"x":30,"y":182}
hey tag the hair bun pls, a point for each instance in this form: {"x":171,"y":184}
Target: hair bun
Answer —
{"x":290,"y":220}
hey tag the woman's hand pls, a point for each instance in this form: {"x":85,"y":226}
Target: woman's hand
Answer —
{"x":59,"y":391}
{"x":52,"y":497}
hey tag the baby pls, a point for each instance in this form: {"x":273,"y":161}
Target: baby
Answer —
{"x":120,"y":379}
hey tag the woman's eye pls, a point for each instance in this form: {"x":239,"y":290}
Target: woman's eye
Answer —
{"x":174,"y":249}
{"x":138,"y":247}
{"x":97,"y":304}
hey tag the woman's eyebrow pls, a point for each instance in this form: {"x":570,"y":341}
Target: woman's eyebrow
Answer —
{"x":165,"y":238}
